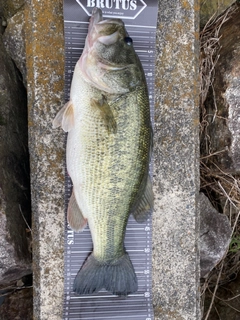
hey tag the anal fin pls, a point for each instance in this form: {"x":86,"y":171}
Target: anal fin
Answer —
{"x":75,"y":217}
{"x":144,"y":206}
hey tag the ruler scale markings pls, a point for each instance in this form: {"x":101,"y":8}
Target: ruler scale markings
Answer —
{"x":110,"y":308}
{"x":110,"y":317}
{"x":104,"y":303}
{"x":133,"y":301}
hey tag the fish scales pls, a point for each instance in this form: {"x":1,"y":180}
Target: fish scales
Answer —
{"x":110,"y":168}
{"x":108,"y":153}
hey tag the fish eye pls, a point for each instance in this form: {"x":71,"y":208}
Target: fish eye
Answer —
{"x":128,"y":40}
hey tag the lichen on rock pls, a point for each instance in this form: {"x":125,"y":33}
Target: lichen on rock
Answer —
{"x":14,"y":41}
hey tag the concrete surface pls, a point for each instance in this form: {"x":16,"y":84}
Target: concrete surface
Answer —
{"x":176,"y":176}
{"x":45,"y":83}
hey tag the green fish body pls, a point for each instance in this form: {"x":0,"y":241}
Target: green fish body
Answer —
{"x":108,"y":153}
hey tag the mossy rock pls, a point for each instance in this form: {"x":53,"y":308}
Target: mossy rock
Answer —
{"x":10,"y":7}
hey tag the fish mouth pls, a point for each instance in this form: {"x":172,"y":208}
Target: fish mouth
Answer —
{"x":100,"y":30}
{"x":97,"y":18}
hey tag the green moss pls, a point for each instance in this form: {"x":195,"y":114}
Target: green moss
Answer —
{"x":235,"y":244}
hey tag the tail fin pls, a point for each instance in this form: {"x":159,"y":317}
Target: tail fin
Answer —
{"x":118,"y":277}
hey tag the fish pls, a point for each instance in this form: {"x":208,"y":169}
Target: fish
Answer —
{"x":108,"y":153}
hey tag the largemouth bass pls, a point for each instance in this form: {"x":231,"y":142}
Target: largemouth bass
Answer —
{"x":108,"y":153}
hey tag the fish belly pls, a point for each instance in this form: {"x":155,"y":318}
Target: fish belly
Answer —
{"x":107,"y":168}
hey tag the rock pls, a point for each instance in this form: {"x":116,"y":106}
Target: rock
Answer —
{"x":222,"y":107}
{"x":14,"y":41}
{"x":17,"y":306}
{"x":9,"y":7}
{"x":213,"y":7}
{"x":11,"y":267}
{"x":215,"y":235}
{"x":14,"y":173}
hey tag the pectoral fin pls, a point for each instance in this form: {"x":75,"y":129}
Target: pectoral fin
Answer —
{"x":144,"y":206}
{"x":65,"y":117}
{"x":75,"y":217}
{"x":106,"y":113}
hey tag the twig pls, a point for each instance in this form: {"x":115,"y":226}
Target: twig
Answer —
{"x":227,"y":196}
{"x":214,"y":292}
{"x":24,"y":218}
{"x":7,"y":293}
{"x":217,"y":312}
{"x":235,"y":224}
{"x":213,"y":154}
{"x":14,"y":289}
{"x":229,"y":299}
{"x":231,"y":306}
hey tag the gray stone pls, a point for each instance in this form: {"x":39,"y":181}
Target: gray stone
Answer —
{"x":231,"y":77}
{"x":14,"y":173}
{"x":176,"y":177}
{"x":215,"y":235}
{"x":14,"y":41}
{"x":222,"y":108}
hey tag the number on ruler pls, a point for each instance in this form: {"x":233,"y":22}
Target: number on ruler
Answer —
{"x":146,"y":294}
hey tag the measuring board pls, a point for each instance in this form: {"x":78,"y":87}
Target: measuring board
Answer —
{"x":140,"y":20}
